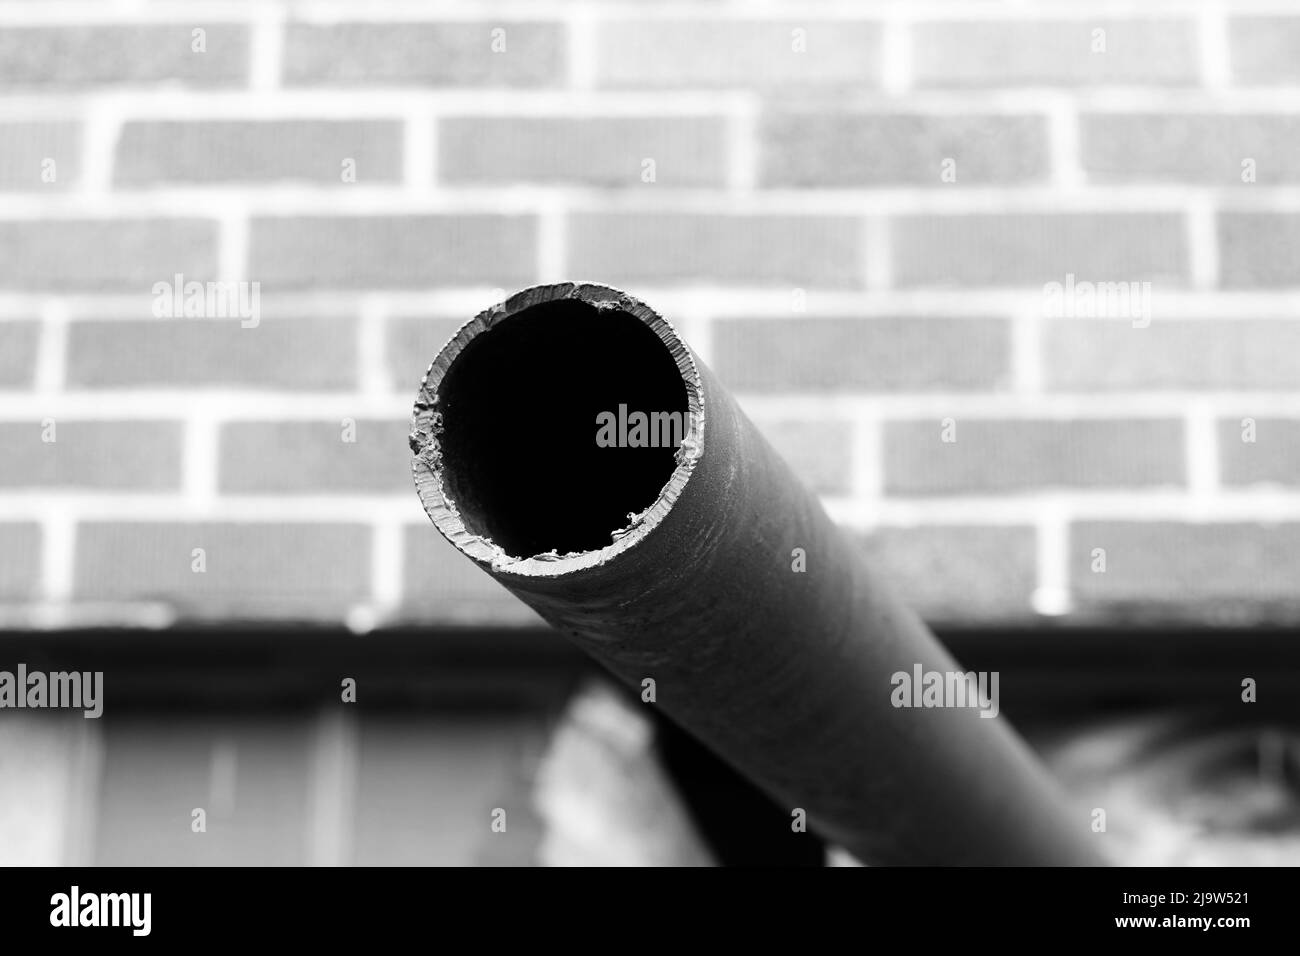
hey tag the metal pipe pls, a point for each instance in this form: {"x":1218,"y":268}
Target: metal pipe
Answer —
{"x":682,"y":566}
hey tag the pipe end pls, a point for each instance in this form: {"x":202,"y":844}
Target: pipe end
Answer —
{"x":503,"y":445}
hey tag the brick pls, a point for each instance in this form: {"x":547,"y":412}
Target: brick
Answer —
{"x":605,"y":152}
{"x":1273,"y":457}
{"x":1196,"y":355}
{"x":32,"y":152}
{"x":103,"y":254}
{"x":442,"y":586}
{"x":313,"y":458}
{"x":853,"y":149}
{"x":1054,"y":53}
{"x":958,"y":573}
{"x":738,"y":53}
{"x":1230,"y":572}
{"x":869,"y":355}
{"x":424,"y":54}
{"x":104,"y":455}
{"x":819,"y":452}
{"x":160,"y":770}
{"x":263,"y":151}
{"x":1030,"y":249}
{"x":19,"y":341}
{"x":412,"y":344}
{"x":20,"y":560}
{"x":1194,"y":148}
{"x":1264,"y":50}
{"x":1007,"y":456}
{"x":1255,"y":249}
{"x":394,"y":251}
{"x":292,"y":354}
{"x":123,"y":55}
{"x":717,"y":249}
{"x":263,"y":570}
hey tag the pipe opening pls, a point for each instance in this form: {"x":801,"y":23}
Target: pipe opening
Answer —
{"x":523,"y":406}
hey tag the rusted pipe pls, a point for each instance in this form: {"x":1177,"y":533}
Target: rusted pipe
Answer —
{"x":681,"y":566}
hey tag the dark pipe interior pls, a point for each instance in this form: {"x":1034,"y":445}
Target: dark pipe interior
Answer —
{"x":519,"y":418}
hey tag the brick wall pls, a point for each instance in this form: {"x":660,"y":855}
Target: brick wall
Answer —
{"x":856,"y":216}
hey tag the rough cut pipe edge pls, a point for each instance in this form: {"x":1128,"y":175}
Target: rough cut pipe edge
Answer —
{"x":785,"y":675}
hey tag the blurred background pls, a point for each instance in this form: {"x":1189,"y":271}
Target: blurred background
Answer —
{"x":1066,"y":230}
